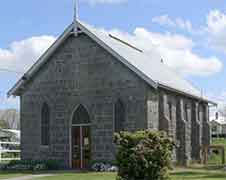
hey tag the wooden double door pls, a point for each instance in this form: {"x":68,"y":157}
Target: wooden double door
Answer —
{"x":81,"y":147}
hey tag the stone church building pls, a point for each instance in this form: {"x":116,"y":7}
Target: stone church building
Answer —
{"x":86,"y":87}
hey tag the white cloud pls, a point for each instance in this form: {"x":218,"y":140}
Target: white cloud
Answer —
{"x":165,"y":20}
{"x":176,"y":50}
{"x":8,"y":102}
{"x":94,"y":2}
{"x":216,"y":22}
{"x":19,"y":57}
{"x":219,"y":97}
{"x":22,"y":54}
{"x":216,"y":28}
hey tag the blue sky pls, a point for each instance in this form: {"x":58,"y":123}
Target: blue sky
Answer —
{"x":189,"y":35}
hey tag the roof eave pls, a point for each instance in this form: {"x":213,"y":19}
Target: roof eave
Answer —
{"x":35,"y":67}
{"x":14,"y":89}
{"x":187,"y":94}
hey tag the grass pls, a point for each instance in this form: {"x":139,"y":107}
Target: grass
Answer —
{"x":216,"y":158}
{"x":197,"y":174}
{"x":81,"y":176}
{"x":5,"y":174}
{"x":179,"y":174}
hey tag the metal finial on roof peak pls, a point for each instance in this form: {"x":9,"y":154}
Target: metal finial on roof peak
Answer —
{"x":75,"y":17}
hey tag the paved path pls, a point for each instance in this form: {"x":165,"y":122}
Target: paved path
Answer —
{"x":29,"y":177}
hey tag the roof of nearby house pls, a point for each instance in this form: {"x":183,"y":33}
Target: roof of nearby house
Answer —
{"x":221,"y":120}
{"x":4,"y":134}
{"x":148,"y":66}
{"x":10,"y":133}
{"x":15,"y":132}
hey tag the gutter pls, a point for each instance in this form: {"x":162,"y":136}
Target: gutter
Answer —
{"x":187,"y":94}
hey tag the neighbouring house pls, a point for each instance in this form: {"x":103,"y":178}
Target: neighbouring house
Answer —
{"x":9,"y":144}
{"x":91,"y":84}
{"x":5,"y":135}
{"x":218,"y":125}
{"x":9,"y":135}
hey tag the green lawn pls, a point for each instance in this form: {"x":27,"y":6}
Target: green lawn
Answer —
{"x":81,"y":176}
{"x":180,"y":174}
{"x":5,"y":175}
{"x":216,"y":158}
{"x":185,"y":174}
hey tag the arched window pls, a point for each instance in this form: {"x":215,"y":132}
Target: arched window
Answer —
{"x":81,"y":116}
{"x":119,"y":116}
{"x":45,"y":125}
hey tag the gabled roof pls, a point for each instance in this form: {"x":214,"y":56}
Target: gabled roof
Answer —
{"x":220,"y":120}
{"x":146,"y":66}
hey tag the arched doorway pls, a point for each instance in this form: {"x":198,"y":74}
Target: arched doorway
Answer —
{"x":81,"y":138}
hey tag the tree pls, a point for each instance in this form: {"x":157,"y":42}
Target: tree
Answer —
{"x":11,"y":117}
{"x":143,"y":155}
{"x":4,"y":124}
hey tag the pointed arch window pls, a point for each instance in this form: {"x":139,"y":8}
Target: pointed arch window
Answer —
{"x":119,"y":116}
{"x":81,"y":116}
{"x":45,"y":125}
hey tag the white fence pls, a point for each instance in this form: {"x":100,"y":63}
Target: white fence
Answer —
{"x":8,"y":150}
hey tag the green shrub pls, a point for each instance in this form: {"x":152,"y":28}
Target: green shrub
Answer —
{"x":53,"y":164}
{"x":143,"y":155}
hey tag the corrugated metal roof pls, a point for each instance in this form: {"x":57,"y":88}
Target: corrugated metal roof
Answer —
{"x":148,"y":66}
